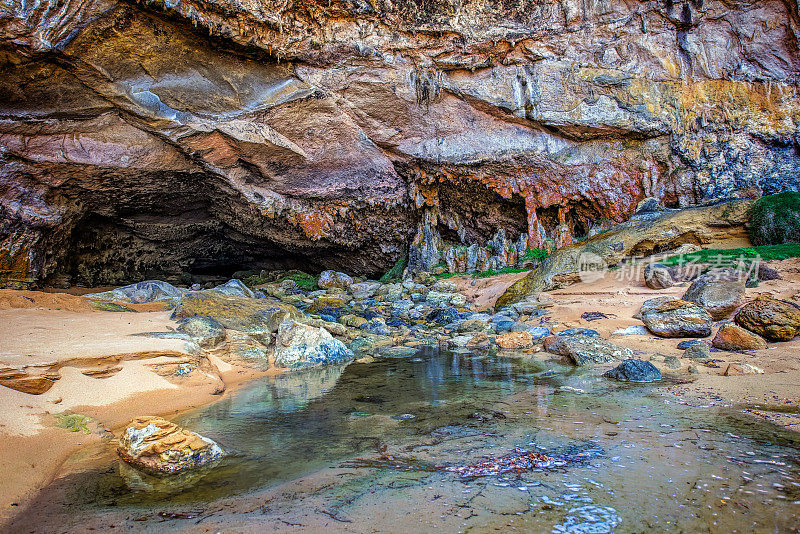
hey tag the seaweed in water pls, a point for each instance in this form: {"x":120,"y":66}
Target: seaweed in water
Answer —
{"x":519,"y":463}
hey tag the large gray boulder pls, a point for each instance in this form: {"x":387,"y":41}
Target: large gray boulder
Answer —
{"x":720,"y":292}
{"x":676,"y":318}
{"x":299,"y":345}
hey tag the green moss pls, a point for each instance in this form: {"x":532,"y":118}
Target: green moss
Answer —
{"x":304,"y":281}
{"x":111,"y":307}
{"x":534,"y":254}
{"x":732,"y":256}
{"x":395,"y":272}
{"x":74,"y":422}
{"x":775,"y":219}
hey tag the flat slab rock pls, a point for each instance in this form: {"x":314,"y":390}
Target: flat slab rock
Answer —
{"x":581,"y":349}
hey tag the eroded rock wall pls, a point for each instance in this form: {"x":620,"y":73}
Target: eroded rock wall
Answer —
{"x":157,"y":138}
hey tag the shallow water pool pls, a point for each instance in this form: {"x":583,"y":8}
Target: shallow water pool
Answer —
{"x":367,"y":447}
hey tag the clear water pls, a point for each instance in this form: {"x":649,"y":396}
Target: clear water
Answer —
{"x":654,"y":464}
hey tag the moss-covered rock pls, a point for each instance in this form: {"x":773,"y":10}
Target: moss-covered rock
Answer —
{"x":775,"y":219}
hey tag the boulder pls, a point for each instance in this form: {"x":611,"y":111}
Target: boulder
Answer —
{"x":657,"y":276}
{"x":472,"y":325}
{"x":578,"y":332}
{"x":720,"y":292}
{"x":773,"y":319}
{"x":697,"y":351}
{"x":733,"y":337}
{"x":207,"y":332}
{"x":581,"y":349}
{"x":677,"y":318}
{"x":147,"y":291}
{"x":634,"y":371}
{"x":158,"y":446}
{"x":236,"y":313}
{"x":352,"y":320}
{"x":514,"y":340}
{"x":329,"y":279}
{"x":235,"y":288}
{"x":652,"y":304}
{"x":742,"y":369}
{"x":299,"y":345}
{"x":326,"y":303}
{"x":364,"y":290}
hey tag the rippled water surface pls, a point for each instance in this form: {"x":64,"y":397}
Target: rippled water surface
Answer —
{"x":637,"y":460}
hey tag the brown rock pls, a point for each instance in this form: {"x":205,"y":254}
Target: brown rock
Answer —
{"x":742,"y":369}
{"x":33,"y":384}
{"x":773,"y":319}
{"x":514,"y":340}
{"x":156,"y":445}
{"x":479,"y":341}
{"x":657,"y":276}
{"x":733,"y":337}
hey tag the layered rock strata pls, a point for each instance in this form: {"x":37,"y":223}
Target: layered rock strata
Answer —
{"x":152,"y":139}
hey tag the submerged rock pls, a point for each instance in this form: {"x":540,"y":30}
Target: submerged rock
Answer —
{"x":634,"y":371}
{"x":158,"y":446}
{"x":299,"y":345}
{"x":677,"y":318}
{"x":773,"y":319}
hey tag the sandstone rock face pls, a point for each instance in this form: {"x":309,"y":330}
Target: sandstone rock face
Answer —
{"x":159,"y":446}
{"x":776,"y":320}
{"x":645,"y":233}
{"x":344,"y":134}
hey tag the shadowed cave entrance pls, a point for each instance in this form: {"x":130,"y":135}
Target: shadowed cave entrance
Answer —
{"x":195,"y":233}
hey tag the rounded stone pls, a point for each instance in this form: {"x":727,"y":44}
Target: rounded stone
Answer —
{"x":634,"y":371}
{"x":773,"y":319}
